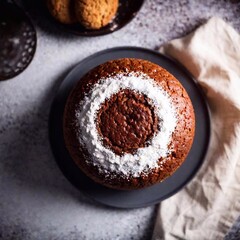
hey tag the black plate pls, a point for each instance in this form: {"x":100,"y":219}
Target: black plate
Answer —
{"x":150,"y":195}
{"x":127,"y":10}
{"x":18,"y":40}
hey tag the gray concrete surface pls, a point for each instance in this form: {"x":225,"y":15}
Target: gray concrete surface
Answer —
{"x":36,"y":201}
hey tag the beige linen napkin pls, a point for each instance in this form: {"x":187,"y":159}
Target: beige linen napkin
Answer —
{"x":208,"y":206}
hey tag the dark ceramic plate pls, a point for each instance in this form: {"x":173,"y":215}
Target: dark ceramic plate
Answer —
{"x":127,"y":10}
{"x":150,"y":195}
{"x":18,"y":40}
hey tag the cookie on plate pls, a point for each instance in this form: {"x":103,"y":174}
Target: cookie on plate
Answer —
{"x":62,"y":10}
{"x":95,"y":14}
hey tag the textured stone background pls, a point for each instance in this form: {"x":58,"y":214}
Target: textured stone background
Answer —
{"x":36,"y":201}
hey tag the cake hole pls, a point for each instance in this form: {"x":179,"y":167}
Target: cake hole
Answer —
{"x":127,"y":122}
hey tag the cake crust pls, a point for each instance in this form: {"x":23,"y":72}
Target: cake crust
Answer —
{"x":181,"y":140}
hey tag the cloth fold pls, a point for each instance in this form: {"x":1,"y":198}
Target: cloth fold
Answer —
{"x":208,"y":206}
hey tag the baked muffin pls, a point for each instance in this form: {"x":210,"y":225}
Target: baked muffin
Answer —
{"x":128,"y":124}
{"x":62,"y":10}
{"x":95,"y":14}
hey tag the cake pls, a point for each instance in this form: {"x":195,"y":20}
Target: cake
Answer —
{"x":128,"y":124}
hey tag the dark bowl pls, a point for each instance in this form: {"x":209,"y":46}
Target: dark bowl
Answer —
{"x":18,"y":40}
{"x":127,"y":10}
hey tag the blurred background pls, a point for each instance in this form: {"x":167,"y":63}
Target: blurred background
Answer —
{"x":36,"y":201}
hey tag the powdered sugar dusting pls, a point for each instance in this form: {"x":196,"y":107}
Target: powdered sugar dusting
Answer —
{"x":144,"y":159}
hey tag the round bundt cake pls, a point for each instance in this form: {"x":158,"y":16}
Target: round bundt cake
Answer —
{"x":128,"y":124}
